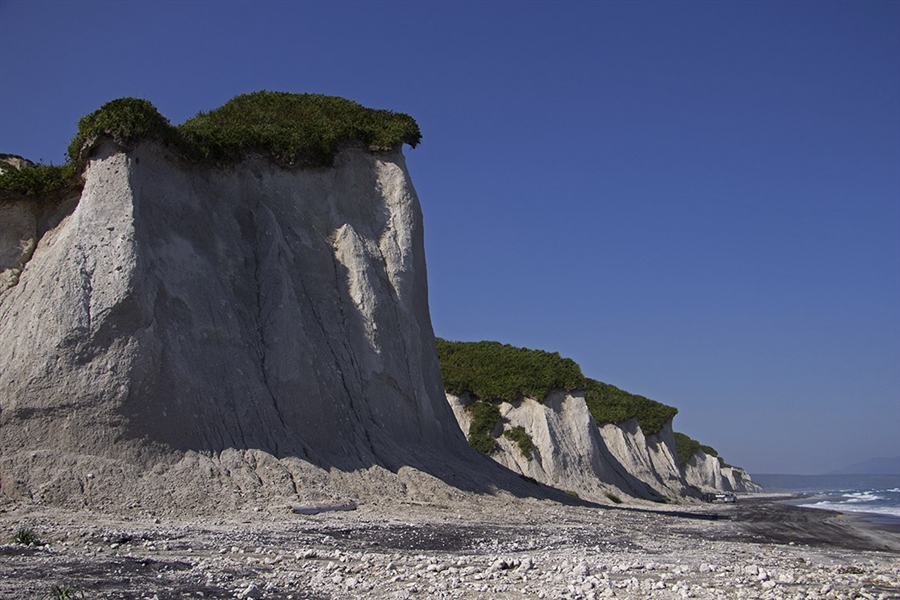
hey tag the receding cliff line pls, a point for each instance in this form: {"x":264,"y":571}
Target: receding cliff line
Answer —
{"x":535,"y":413}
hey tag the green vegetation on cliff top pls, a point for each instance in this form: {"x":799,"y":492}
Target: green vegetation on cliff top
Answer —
{"x":609,"y":404}
{"x":293,"y":129}
{"x":492,"y":371}
{"x":495,"y":371}
{"x":685,"y":448}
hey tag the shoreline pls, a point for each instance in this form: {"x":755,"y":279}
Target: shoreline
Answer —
{"x":882,"y":521}
{"x":475,"y":547}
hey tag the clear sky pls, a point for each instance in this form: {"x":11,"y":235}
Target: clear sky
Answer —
{"x":698,"y":202}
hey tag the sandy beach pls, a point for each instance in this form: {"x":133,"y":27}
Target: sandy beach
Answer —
{"x":490,"y":547}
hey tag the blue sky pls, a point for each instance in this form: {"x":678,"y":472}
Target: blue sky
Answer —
{"x":698,"y":202}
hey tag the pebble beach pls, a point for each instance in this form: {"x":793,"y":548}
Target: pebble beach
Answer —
{"x":489,"y":547}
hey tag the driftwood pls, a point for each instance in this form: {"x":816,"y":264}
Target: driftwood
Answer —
{"x":314,"y":510}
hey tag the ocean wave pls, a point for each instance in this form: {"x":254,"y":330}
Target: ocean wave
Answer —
{"x":893,"y":511}
{"x":863,"y":497}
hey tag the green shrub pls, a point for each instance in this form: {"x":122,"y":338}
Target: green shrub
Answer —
{"x":64,"y":592}
{"x":614,"y":498}
{"x":25,"y":536}
{"x":37,"y":181}
{"x":609,"y":404}
{"x":495,"y":371}
{"x":484,"y":418}
{"x":518,"y":435}
{"x":125,"y":120}
{"x":709,"y":450}
{"x":292,"y":129}
{"x":685,"y":448}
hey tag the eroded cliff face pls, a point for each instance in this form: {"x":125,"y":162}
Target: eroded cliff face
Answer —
{"x":706,"y":473}
{"x":651,"y":458}
{"x":570,"y":452}
{"x":189,"y":313}
{"x":18,"y":237}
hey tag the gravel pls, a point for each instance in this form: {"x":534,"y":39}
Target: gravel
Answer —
{"x":488,"y":547}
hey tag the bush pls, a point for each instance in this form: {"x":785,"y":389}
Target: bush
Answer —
{"x":292,"y":129}
{"x":495,"y":371}
{"x":26,"y":537}
{"x":709,"y":450}
{"x":614,"y":498}
{"x":609,"y":404}
{"x":484,"y":418}
{"x":685,"y":448}
{"x":126,"y":121}
{"x":64,"y":592}
{"x":518,"y":435}
{"x":39,"y":180}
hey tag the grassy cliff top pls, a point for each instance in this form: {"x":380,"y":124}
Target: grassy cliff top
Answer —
{"x":686,"y":447}
{"x":495,"y":371}
{"x":609,"y":404}
{"x":293,"y":129}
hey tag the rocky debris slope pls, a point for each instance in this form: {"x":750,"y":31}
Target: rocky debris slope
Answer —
{"x":212,"y":333}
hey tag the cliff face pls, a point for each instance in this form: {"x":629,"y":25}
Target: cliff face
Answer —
{"x":180,"y":311}
{"x":650,"y":458}
{"x":572,"y":453}
{"x":706,"y":473}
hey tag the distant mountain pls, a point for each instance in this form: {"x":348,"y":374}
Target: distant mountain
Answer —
{"x":886,"y":465}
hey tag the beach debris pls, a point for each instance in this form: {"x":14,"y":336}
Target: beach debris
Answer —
{"x":316,"y":509}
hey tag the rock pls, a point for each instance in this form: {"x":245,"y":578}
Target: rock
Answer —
{"x":14,"y":161}
{"x":251,"y":591}
{"x":707,"y":473}
{"x":206,"y":321}
{"x":18,"y":237}
{"x":650,"y":459}
{"x":569,"y":450}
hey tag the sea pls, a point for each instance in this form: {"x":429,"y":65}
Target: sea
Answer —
{"x":877,"y":497}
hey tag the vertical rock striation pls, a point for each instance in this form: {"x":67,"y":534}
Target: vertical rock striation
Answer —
{"x":707,"y":473}
{"x":181,"y":310}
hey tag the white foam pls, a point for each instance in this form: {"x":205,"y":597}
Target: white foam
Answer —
{"x":862,"y":497}
{"x":846,"y":507}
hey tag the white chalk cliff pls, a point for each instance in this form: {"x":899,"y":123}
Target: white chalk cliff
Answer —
{"x":183,"y":336}
{"x":572,"y":453}
{"x":199,"y":322}
{"x":707,"y":474}
{"x":651,"y":458}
